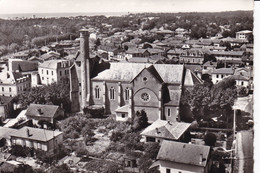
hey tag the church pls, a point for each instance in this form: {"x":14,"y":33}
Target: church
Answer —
{"x":123,"y":88}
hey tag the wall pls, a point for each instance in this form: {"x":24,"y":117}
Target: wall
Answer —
{"x":178,"y":167}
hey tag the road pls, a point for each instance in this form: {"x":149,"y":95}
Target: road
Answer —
{"x":245,"y":151}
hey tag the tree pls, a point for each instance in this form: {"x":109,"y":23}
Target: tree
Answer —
{"x":210,"y":139}
{"x":14,"y":47}
{"x":140,"y":120}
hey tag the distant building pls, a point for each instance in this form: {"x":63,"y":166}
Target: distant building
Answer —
{"x":6,"y":107}
{"x":191,"y":57}
{"x":220,"y":73}
{"x":13,"y":83}
{"x":162,"y":130}
{"x":52,"y":71}
{"x":243,"y":35}
{"x":36,"y":138}
{"x":47,"y":113}
{"x":181,"y":157}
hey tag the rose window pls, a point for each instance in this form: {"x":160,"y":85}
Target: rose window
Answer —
{"x":145,"y":97}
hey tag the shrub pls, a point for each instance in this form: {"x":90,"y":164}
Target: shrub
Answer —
{"x":94,"y":111}
{"x":116,"y":136}
{"x":210,"y":139}
{"x":21,"y":151}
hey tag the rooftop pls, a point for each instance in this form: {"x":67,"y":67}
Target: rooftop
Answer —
{"x":223,"y":71}
{"x":184,"y":153}
{"x":36,"y":134}
{"x":166,"y":129}
{"x":41,"y":110}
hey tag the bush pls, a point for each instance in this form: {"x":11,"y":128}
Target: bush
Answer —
{"x":94,"y":111}
{"x":210,"y":139}
{"x":116,"y":136}
{"x":81,"y":150}
{"x":21,"y":151}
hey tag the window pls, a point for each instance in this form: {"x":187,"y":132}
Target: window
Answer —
{"x":47,"y":72}
{"x":10,"y":89}
{"x":42,"y":71}
{"x":217,"y":75}
{"x":150,"y":139}
{"x":222,"y":76}
{"x":145,"y":79}
{"x":80,"y":84}
{"x":42,"y":78}
{"x":145,"y":97}
{"x":242,"y":83}
{"x":112,"y":93}
{"x":127,"y":93}
{"x":168,"y":170}
{"x":169,"y":112}
{"x":52,"y":73}
{"x":123,"y":115}
{"x":60,"y":73}
{"x":97,"y":90}
{"x":3,"y":89}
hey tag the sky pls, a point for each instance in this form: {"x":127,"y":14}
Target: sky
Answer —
{"x":85,"y":6}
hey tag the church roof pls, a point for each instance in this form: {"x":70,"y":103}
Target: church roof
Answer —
{"x":169,"y":73}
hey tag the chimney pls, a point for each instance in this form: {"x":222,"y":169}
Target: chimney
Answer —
{"x":85,"y":67}
{"x":201,"y":159}
{"x":40,"y":111}
{"x":28,"y":132}
{"x":157,"y":130}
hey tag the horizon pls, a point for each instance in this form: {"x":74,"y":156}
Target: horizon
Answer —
{"x":119,"y":6}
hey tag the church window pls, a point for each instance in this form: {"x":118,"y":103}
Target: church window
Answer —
{"x":169,"y":112}
{"x":97,"y":94}
{"x":127,"y":93}
{"x":145,"y":97}
{"x":145,"y":79}
{"x":112,"y":93}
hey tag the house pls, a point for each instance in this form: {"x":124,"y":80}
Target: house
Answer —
{"x":39,"y":139}
{"x":21,"y":55}
{"x":154,"y":88}
{"x":220,"y":73}
{"x":244,"y":35}
{"x":6,"y":107}
{"x":130,"y":53}
{"x":191,"y":57}
{"x":208,"y":67}
{"x":47,"y":113}
{"x":161,"y":130}
{"x":13,"y":83}
{"x":22,"y":66}
{"x":111,"y":51}
{"x":177,"y":157}
{"x":51,"y":71}
{"x":5,"y":138}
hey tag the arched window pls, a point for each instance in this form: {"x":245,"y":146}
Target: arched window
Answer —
{"x":127,"y":93}
{"x":97,"y":92}
{"x":112,"y":93}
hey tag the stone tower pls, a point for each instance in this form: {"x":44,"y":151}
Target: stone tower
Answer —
{"x":85,"y":68}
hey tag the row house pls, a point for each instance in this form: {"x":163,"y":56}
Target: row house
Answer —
{"x":219,"y":74}
{"x":51,"y":71}
{"x":13,"y":83}
{"x":38,"y":139}
{"x":191,"y":57}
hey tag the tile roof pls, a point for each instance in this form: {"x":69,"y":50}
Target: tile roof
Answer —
{"x":223,"y":71}
{"x":6,"y":132}
{"x":166,"y":129}
{"x":36,"y":134}
{"x":51,"y":64}
{"x":175,"y":98}
{"x":183,"y":153}
{"x":24,"y":66}
{"x":127,"y":71}
{"x":124,"y":108}
{"x":5,"y":100}
{"x":41,"y":110}
{"x":224,"y":53}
